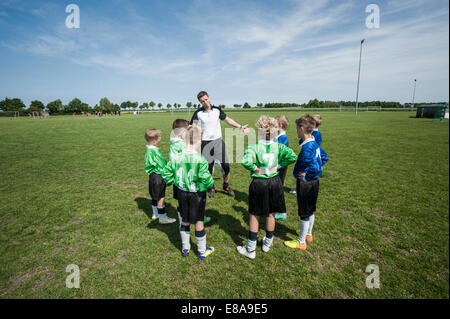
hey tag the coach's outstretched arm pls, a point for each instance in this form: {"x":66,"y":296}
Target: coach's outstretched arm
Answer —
{"x":231,"y":122}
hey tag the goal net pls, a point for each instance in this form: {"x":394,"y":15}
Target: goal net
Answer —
{"x":10,"y":114}
{"x":347,"y":109}
{"x":373,"y":108}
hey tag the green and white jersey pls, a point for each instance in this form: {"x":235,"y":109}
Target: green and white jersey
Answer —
{"x":267,"y":155}
{"x":189,"y":172}
{"x":154,"y":160}
{"x":177,"y":145}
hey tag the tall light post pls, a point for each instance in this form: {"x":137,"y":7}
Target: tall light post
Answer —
{"x":414,"y":92}
{"x":359,"y":71}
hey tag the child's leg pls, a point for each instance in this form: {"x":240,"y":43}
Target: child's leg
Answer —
{"x":185,"y":233}
{"x":154,"y":209}
{"x":253,"y":233}
{"x":161,"y":208}
{"x":200,"y":236}
{"x":311,"y":224}
{"x":250,"y":249}
{"x":163,"y":218}
{"x":270,"y":228}
{"x":304,"y":227}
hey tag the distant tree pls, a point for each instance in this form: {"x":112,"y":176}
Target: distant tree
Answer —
{"x":259,"y":105}
{"x":12,"y":105}
{"x":105,"y":105}
{"x":134,"y":105}
{"x":85,"y":107}
{"x":189,"y":105}
{"x":74,"y":106}
{"x":160,"y":105}
{"x":55,"y":106}
{"x":144,"y":106}
{"x":246,"y":106}
{"x":36,"y":106}
{"x":97,"y":108}
{"x":222,"y":106}
{"x":152,"y":104}
{"x":237,"y":105}
{"x":168,"y":106}
{"x":313,"y":103}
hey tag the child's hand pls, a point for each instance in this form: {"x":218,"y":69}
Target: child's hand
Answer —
{"x":257,"y":171}
{"x":273,"y":170}
{"x":245,"y":129}
{"x":300,"y":175}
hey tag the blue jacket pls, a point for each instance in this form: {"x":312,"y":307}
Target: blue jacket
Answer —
{"x":310,"y":160}
{"x":282,"y":139}
{"x":317,"y":136}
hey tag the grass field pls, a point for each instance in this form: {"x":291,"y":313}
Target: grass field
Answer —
{"x":74,"y":191}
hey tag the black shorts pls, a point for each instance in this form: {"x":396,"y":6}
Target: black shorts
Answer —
{"x":192,"y":206}
{"x":307,"y":193}
{"x":175,"y":192}
{"x":156,"y":186}
{"x":215,"y":150}
{"x":265,"y":196}
{"x":282,"y":173}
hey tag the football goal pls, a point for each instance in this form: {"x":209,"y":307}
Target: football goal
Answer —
{"x":346,"y":109}
{"x":10,"y":114}
{"x":373,"y":108}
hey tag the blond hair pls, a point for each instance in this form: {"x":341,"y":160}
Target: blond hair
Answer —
{"x":283,"y":121}
{"x":307,"y":121}
{"x":318,"y":119}
{"x":152,"y":135}
{"x":267,"y":125}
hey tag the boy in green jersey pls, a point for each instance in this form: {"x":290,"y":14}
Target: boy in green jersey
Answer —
{"x":154,"y":165}
{"x":188,"y":171}
{"x":177,"y":145}
{"x":266,"y":195}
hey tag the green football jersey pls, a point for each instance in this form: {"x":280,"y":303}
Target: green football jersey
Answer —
{"x":266,"y":156}
{"x":189,"y":172}
{"x":177,"y":145}
{"x":154,"y":160}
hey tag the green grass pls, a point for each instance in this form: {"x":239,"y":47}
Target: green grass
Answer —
{"x":74,"y":191}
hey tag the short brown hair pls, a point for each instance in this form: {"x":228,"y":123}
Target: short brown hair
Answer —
{"x":269,"y":125}
{"x":318,"y":119}
{"x":180,"y":123}
{"x":201,"y":94}
{"x":152,"y":135}
{"x":308,"y":122}
{"x":194,"y":135}
{"x":283,"y":121}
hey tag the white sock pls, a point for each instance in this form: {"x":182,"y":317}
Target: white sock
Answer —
{"x":185,"y":239}
{"x":155,"y":211}
{"x":311,"y":224}
{"x":201,"y":244}
{"x":268,"y":242}
{"x":251,"y":245}
{"x":304,"y":226}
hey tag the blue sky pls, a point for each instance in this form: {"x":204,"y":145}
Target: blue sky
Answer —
{"x":238,"y":51}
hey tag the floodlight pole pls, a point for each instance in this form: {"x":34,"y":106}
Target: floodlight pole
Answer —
{"x":414,"y":92}
{"x":359,"y":71}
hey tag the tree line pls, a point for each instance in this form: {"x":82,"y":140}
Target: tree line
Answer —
{"x":77,"y":106}
{"x":106,"y":106}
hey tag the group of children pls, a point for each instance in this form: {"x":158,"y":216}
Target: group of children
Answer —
{"x":267,"y":160}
